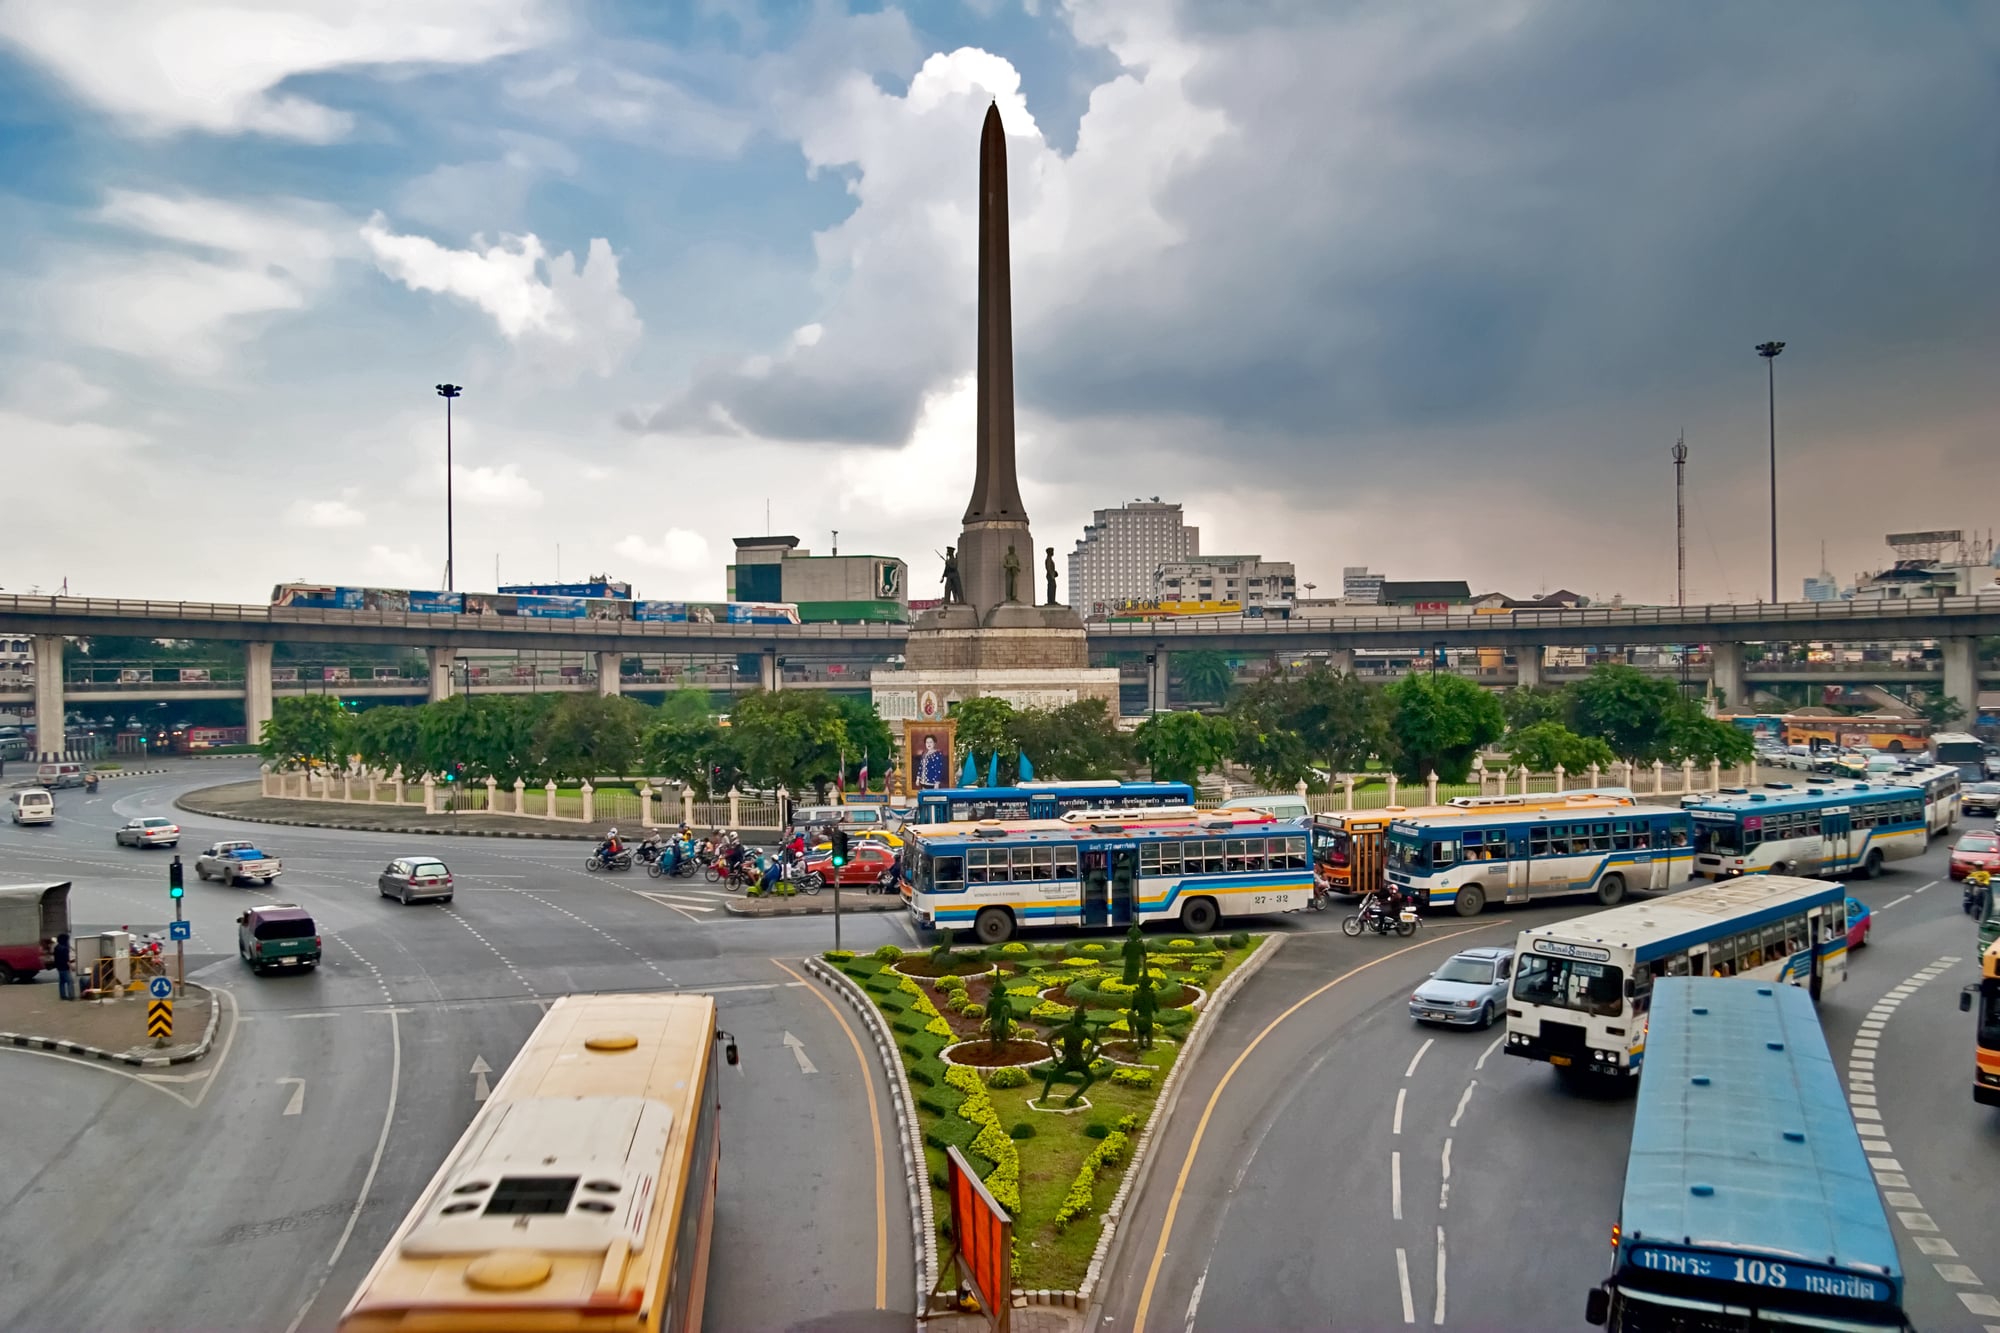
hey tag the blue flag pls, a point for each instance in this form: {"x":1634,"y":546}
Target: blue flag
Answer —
{"x":970,"y":776}
{"x":1027,"y":769}
{"x":993,"y":769}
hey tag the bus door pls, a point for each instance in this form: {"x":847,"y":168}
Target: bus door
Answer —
{"x":1124,"y":874}
{"x":1520,"y":868}
{"x":1836,"y":837}
{"x":1042,"y":807}
{"x":1096,"y":893}
{"x":1369,"y":850}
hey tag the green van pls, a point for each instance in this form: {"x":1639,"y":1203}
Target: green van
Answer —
{"x":278,"y":936}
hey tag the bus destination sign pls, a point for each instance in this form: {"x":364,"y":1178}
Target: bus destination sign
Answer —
{"x":1784,"y":1274}
{"x":1562,"y":949}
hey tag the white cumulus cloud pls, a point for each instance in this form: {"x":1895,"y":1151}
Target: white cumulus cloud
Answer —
{"x":219,"y":67}
{"x":677,"y":549}
{"x":501,"y":487}
{"x":325,"y":514}
{"x":567,"y":319}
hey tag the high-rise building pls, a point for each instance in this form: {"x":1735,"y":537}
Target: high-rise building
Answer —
{"x":1121,"y":552}
{"x":1250,"y":580}
{"x":1822,"y":587}
{"x":1359,"y":584}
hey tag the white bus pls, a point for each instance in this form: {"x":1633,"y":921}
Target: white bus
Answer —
{"x":1941,"y":784}
{"x":1467,"y":859}
{"x":1829,"y":828}
{"x":1582,"y":987}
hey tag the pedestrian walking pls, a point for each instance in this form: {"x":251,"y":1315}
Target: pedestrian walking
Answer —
{"x":65,"y":977}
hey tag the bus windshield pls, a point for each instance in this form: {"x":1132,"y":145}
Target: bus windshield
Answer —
{"x":1406,"y":850}
{"x":1570,"y":983}
{"x":1726,"y":837}
{"x":1334,"y":845}
{"x":1989,"y":1016}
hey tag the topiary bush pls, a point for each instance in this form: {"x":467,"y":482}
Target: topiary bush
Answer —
{"x":952,"y":983}
{"x":1021,"y":1130}
{"x":1183,"y":945}
{"x":1025,"y":992}
{"x":930,"y":1105}
{"x":888,"y":953}
{"x":1093,"y":948}
{"x":1013,"y":947}
{"x":837,"y":955}
{"x":972,"y":1009}
{"x":1096,"y":1129}
{"x":904,"y":1028}
{"x":1138,"y":1078}
{"x":1009,"y":1077}
{"x":1076,"y":1203}
{"x":1048,"y":1011}
{"x":1130,"y":1121}
{"x":1240,"y":940}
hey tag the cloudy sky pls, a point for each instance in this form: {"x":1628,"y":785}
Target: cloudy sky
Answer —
{"x":1427,"y":287}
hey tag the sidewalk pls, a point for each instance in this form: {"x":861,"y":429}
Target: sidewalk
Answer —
{"x":32,"y":1015}
{"x":246,"y":801}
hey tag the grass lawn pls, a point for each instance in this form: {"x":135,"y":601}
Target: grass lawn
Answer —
{"x":1051,"y":1149}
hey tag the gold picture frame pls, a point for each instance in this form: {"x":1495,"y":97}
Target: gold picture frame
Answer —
{"x":943,"y":735}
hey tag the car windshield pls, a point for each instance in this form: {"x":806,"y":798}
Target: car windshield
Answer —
{"x":430,"y":869}
{"x":1978,"y":842}
{"x":1570,"y":983}
{"x":1472,"y":971}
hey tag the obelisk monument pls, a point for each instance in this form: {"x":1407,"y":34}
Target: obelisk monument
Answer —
{"x":997,"y":641}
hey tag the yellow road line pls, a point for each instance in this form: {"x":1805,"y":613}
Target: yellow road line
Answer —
{"x":874,"y":1124}
{"x":1201,"y":1126}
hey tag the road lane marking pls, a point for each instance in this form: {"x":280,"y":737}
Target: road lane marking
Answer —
{"x":875,"y":1137}
{"x":1428,"y":1043}
{"x":367,"y":1181}
{"x":1444,"y":1188}
{"x":1396,"y":1186}
{"x":1194,"y":1301}
{"x":1437,"y":1313}
{"x":481,"y":1090}
{"x":798,"y":1049}
{"x":297,"y":1104}
{"x":1886,"y":906}
{"x":1403,"y":1276}
{"x":1222,"y":1086}
{"x":1464,"y":1098}
{"x":1921,"y":887}
{"x":1397,"y":1128}
{"x":1491,"y":1047}
{"x":324,"y":1013}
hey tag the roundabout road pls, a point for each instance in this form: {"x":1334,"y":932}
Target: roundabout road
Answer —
{"x":1332,"y":1165}
{"x":253,"y":1189}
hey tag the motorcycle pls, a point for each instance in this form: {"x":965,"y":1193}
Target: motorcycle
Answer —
{"x":90,"y":782}
{"x":1973,"y":899}
{"x":649,"y":852}
{"x":1372,"y":915}
{"x":598,"y":861}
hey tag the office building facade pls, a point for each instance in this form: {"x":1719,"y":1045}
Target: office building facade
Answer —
{"x":1118,"y":558}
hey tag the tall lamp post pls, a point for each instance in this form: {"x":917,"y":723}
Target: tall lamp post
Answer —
{"x":449,"y":393}
{"x":1769,"y":351}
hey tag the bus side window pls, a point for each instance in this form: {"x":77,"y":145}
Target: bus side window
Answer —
{"x":949,"y":874}
{"x":1253,"y":854}
{"x":1170,"y":858}
{"x":1444,"y":854}
{"x":1538,"y":840}
{"x":1621,"y":836}
{"x":1296,"y":856}
{"x":1065,"y":862}
{"x":975,"y":865}
{"x":1149,"y":859}
{"x":1042,"y":862}
{"x":1678,"y":836}
{"x":1600,"y":837}
{"x":1642,"y":835}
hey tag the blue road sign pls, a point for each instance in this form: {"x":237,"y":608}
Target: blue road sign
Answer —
{"x":180,"y":930}
{"x":160,"y":988}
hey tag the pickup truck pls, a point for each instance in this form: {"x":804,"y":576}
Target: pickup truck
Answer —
{"x":233,"y":861}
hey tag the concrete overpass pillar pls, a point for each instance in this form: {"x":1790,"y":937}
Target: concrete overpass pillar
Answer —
{"x":1158,"y":663}
{"x":769,"y":677}
{"x":1961,"y":675}
{"x":1528,"y":669}
{"x":256,"y":689}
{"x":1341,"y":660}
{"x":51,"y":735}
{"x":443,"y":662}
{"x":607,"y":672}
{"x":1726,"y":674}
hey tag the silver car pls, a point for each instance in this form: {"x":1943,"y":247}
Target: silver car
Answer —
{"x":414,"y":878}
{"x":149,"y":832}
{"x":1468,"y":991}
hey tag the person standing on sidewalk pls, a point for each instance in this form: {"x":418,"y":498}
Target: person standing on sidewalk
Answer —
{"x":65,"y":978}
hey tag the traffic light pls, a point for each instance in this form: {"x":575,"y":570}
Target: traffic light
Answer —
{"x":839,"y":841}
{"x":175,"y":889}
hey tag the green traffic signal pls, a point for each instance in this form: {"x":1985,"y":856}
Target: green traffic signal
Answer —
{"x":174,"y":887}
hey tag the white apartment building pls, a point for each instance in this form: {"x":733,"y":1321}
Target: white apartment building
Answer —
{"x":1121,"y":552}
{"x":1249,"y":579}
{"x":1360,"y":585}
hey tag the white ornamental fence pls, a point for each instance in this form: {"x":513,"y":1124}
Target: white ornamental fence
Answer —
{"x":640,"y":804}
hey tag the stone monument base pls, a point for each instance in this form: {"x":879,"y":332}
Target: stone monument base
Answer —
{"x":1031,"y":656}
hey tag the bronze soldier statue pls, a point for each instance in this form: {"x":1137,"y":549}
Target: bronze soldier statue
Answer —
{"x":1049,"y":573}
{"x":954,"y":591}
{"x":1010,"y":565}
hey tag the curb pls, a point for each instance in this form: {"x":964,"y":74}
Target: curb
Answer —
{"x":735,"y":908}
{"x":1109,"y":1240}
{"x":915,"y":1176}
{"x":30,"y":1042}
{"x":182,"y":803}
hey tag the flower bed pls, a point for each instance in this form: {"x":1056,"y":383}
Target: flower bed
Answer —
{"x":983,"y":1054}
{"x":1052,"y":1172}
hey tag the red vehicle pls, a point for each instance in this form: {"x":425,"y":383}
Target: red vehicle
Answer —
{"x":1975,"y":851}
{"x":865,"y":863}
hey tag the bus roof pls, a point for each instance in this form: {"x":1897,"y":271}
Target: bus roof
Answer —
{"x":1668,"y":925}
{"x":1057,"y":786}
{"x":1784,"y":796}
{"x":1565,"y":813}
{"x":1743,"y":1141}
{"x":1053,"y":831}
{"x":1470,"y":807}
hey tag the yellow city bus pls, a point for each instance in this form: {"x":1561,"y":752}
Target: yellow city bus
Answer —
{"x":1984,"y":999}
{"x":582,"y":1196}
{"x":1349,"y":845}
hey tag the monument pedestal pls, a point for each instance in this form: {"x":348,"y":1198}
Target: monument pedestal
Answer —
{"x":1031,"y":656}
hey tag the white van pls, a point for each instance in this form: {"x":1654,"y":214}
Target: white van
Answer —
{"x":1280,"y":807}
{"x":60,"y":775}
{"x":31,"y":805}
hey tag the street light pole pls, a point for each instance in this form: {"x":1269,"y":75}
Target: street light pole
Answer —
{"x":1769,"y":351}
{"x":448,"y":392}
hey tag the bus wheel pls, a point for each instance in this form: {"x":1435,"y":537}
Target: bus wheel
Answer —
{"x":993,"y":926}
{"x":1471,"y":901}
{"x":1872,"y":867}
{"x":1199,"y":916}
{"x":1611,"y":889}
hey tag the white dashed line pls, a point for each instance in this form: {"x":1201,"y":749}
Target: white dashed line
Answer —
{"x":450,"y":911}
{"x":1411,"y":1071}
{"x":1403,"y":1277}
{"x":1396,"y":1187}
{"x":1491,"y":1047}
{"x":1464,"y":1098}
{"x":1886,"y":906}
{"x":1397,"y":1126}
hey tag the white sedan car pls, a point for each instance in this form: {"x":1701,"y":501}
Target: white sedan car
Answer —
{"x":150,"y":832}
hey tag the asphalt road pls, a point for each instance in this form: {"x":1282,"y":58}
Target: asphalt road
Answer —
{"x":1357,"y":1172}
{"x":253,"y":1190}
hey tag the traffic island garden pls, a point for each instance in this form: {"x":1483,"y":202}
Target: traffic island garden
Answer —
{"x":985,"y":1033}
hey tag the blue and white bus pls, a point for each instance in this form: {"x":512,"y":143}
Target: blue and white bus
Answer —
{"x":1582,"y":988}
{"x":991,"y":880}
{"x":1046,"y":800}
{"x":1467,"y":860}
{"x":1832,"y":828}
{"x":1749,"y":1203}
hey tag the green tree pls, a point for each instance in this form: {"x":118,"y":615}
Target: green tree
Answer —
{"x":1205,"y":674}
{"x":1440,"y":723}
{"x":1937,"y":708}
{"x":868,"y":738}
{"x":1526,"y":705}
{"x":1076,"y":740}
{"x":589,"y":736}
{"x":1692,"y":734}
{"x":1626,"y":709}
{"x":1180,"y":747}
{"x":391,"y":737}
{"x":306,"y":731}
{"x":1542,"y":746}
{"x":789,"y":738}
{"x":1288,"y":725}
{"x":684,"y":742}
{"x":985,"y":726}
{"x":485,"y":736}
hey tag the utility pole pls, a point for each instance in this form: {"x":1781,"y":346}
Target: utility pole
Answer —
{"x":448,"y":392}
{"x":1769,"y":351}
{"x":1680,"y":520}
